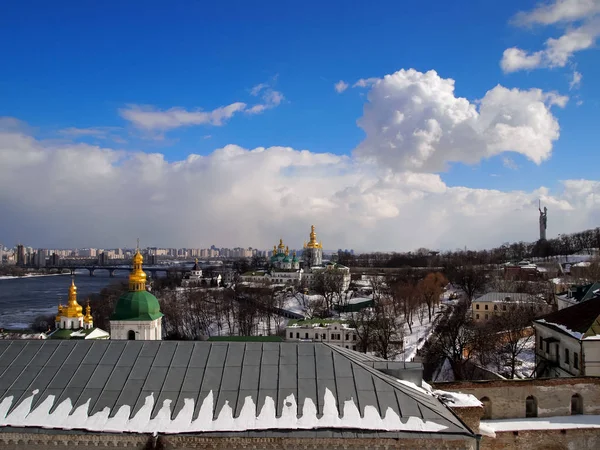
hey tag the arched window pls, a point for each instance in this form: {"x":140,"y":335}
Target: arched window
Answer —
{"x":531,"y":409}
{"x":487,"y":408}
{"x":131,"y":335}
{"x":576,"y":405}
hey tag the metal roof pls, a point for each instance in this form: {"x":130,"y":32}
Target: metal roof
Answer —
{"x":113,"y":374}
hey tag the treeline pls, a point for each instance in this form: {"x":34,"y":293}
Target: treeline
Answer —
{"x":563,"y":245}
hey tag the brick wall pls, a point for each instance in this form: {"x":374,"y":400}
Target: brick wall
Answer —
{"x":73,"y":441}
{"x":582,"y":439}
{"x":507,"y":397}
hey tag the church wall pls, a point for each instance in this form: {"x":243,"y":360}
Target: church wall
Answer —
{"x":580,"y":439}
{"x":145,"y":330}
{"x":507,"y":397}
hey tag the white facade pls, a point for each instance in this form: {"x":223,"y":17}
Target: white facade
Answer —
{"x":144,"y":330}
{"x":335,"y":333}
{"x":551,"y":349}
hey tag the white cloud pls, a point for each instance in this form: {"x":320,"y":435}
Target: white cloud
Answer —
{"x":365,"y":82}
{"x":515,"y":59}
{"x":582,"y":18}
{"x":271,"y":98}
{"x":575,"y":81}
{"x":558,"y":11}
{"x":224,"y":198}
{"x":413,"y":121}
{"x":150,"y":118}
{"x":340,"y":86}
{"x":509,"y":163}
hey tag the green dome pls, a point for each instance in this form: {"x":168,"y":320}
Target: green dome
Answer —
{"x":137,"y":305}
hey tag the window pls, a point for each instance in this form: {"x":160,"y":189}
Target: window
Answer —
{"x":354,"y":347}
{"x":547,"y":347}
{"x":353,"y":337}
{"x":291,"y":335}
{"x":131,"y":335}
{"x":297,"y":335}
{"x":567,"y":356}
{"x":495,"y":307}
{"x":323,"y":336}
{"x":487,"y":408}
{"x":531,"y":407}
{"x":306,"y":334}
{"x":576,"y":405}
{"x":477,"y":306}
{"x":575,"y":360}
{"x":347,"y":337}
{"x":541,"y":343}
{"x":486,"y":307}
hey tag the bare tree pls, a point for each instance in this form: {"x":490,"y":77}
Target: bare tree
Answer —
{"x":431,"y":288}
{"x":470,"y":279}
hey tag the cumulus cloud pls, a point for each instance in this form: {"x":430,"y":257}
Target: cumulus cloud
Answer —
{"x":509,"y":163}
{"x":251,"y":197}
{"x":582,"y":18}
{"x":340,"y":86}
{"x":413,"y":121}
{"x":575,"y":81}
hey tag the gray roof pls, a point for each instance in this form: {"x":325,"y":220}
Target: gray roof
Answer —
{"x":505,"y":297}
{"x":112,"y":374}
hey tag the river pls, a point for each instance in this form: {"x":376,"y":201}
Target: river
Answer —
{"x":22,"y":299}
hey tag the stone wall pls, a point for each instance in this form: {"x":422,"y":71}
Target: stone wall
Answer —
{"x":581,"y":439}
{"x":553,"y":395}
{"x":75,"y":441}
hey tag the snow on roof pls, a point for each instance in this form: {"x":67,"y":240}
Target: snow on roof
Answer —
{"x":221,"y":391}
{"x":575,"y":334}
{"x":499,"y":297}
{"x":543,"y":423}
{"x":457,"y":399}
{"x":249,"y":417}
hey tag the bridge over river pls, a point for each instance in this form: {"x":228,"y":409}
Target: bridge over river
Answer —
{"x":152,"y":270}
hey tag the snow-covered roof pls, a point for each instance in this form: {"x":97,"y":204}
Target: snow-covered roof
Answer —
{"x":195,"y":387}
{"x":498,"y":297}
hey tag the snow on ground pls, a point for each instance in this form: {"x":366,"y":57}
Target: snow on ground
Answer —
{"x":544,"y":423}
{"x":420,"y":333}
{"x":526,"y":359}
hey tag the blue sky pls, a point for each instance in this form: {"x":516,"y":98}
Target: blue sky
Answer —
{"x":73,"y":64}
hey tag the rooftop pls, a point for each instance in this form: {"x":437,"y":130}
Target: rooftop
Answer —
{"x":498,"y":297}
{"x":217,"y":387}
{"x":580,"y":320}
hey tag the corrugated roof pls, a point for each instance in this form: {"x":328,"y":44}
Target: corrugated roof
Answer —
{"x":167,"y":386}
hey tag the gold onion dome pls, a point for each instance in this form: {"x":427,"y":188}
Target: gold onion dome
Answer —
{"x":73,"y":308}
{"x":137,"y":278}
{"x":313,"y":239}
{"x":88,"y":314}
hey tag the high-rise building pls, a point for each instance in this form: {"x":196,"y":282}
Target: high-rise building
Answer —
{"x":20,"y":255}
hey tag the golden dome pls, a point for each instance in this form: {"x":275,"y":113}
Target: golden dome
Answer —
{"x":88,"y":314}
{"x":137,"y":277}
{"x":281,"y":244}
{"x":313,"y":239}
{"x":73,"y":309}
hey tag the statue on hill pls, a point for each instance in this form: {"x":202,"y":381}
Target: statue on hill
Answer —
{"x":543,"y":222}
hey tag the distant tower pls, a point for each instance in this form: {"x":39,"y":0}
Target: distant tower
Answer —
{"x":543,"y":221}
{"x":313,"y":251}
{"x":137,"y":314}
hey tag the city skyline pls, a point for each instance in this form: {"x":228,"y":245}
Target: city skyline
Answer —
{"x":390,"y":127}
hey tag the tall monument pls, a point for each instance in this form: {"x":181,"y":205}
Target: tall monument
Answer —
{"x":543,"y":221}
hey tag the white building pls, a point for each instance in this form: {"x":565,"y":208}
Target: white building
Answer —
{"x":196,"y":278}
{"x":568,"y":341}
{"x":335,"y":332}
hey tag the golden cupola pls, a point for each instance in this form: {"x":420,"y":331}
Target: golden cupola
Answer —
{"x":312,"y":243}
{"x":88,"y":319}
{"x":281,"y":246}
{"x":137,"y":278}
{"x":73,"y":309}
